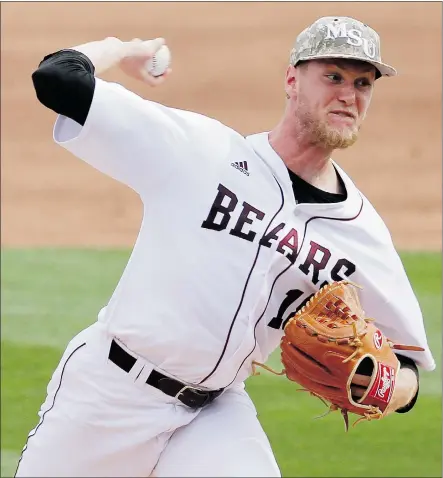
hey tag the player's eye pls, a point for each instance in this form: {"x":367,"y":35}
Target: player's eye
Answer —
{"x":363,"y":83}
{"x":334,"y":77}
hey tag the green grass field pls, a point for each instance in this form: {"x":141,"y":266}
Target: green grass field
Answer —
{"x":49,"y":295}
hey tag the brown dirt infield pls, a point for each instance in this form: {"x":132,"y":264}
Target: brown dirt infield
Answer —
{"x":229,"y":60}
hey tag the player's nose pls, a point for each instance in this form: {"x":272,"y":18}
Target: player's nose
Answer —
{"x":346,"y":95}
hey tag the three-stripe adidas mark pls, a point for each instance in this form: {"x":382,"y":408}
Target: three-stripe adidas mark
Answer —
{"x":241,"y":166}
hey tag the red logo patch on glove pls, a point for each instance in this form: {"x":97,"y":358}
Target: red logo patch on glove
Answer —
{"x":384,"y":383}
{"x":378,"y":339}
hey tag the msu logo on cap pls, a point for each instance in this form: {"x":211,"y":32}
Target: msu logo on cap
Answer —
{"x":340,"y":37}
{"x":353,"y":37}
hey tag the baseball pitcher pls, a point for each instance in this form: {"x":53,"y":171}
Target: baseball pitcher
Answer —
{"x":246,"y":245}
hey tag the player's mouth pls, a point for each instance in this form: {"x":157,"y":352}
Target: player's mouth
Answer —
{"x":343,"y":116}
{"x":346,"y":113}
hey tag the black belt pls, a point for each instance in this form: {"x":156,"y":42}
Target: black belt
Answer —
{"x":191,"y":397}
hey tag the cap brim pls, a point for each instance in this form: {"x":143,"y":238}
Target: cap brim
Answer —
{"x":383,"y":68}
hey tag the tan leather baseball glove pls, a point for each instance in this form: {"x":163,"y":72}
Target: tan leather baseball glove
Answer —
{"x":329,"y":341}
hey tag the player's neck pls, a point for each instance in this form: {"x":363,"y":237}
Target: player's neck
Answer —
{"x":309,"y":161}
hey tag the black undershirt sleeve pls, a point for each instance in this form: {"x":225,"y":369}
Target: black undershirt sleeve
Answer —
{"x":64,"y":82}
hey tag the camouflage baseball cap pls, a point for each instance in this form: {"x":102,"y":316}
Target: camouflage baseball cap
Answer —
{"x":340,"y":37}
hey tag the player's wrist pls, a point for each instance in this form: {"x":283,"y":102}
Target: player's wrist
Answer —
{"x":412,"y":377}
{"x":406,"y":389}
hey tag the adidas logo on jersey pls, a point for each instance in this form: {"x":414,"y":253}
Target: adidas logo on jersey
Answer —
{"x":241,"y":166}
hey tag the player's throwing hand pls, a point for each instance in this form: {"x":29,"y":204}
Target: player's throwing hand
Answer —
{"x":138,"y":53}
{"x":132,"y":57}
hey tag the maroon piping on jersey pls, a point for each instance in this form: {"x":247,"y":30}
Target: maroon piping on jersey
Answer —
{"x":244,"y":289}
{"x":284,"y":270}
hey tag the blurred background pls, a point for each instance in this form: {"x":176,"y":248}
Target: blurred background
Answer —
{"x":67,"y":230}
{"x":229,"y":61}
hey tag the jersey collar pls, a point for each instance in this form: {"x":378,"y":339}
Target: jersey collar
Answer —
{"x":348,"y":208}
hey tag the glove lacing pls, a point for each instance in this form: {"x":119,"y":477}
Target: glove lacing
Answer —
{"x":355,"y":342}
{"x":266,"y":367}
{"x":373,"y":413}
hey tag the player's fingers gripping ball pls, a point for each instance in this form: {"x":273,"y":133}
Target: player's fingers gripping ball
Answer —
{"x":330,"y":340}
{"x":148,"y":61}
{"x":159,"y":63}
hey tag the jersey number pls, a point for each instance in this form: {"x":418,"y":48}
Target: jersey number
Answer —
{"x":292,"y":296}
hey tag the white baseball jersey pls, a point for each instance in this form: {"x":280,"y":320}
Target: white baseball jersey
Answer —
{"x":225,"y":255}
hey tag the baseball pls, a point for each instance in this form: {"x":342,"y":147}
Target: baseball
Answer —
{"x":160,"y":62}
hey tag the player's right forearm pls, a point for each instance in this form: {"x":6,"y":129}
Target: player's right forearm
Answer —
{"x":104,"y":54}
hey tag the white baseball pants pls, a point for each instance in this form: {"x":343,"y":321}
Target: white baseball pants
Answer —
{"x":99,"y":421}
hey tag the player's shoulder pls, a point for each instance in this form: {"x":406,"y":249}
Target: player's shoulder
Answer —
{"x":375,"y":221}
{"x":179,"y":114}
{"x":201,"y":120}
{"x":370,"y":219}
{"x":200,"y":134}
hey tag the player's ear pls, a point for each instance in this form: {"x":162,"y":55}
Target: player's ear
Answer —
{"x":291,"y":82}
